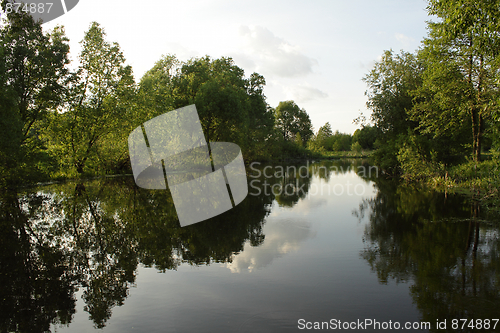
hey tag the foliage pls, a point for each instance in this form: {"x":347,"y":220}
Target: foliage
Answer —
{"x":290,"y":120}
{"x":465,"y":45}
{"x":231,"y":107}
{"x":340,"y":141}
{"x":391,"y":84}
{"x":33,"y":81}
{"x":98,"y":115}
{"x":417,"y":160}
{"x":459,"y":91}
{"x":61,"y":123}
{"x":366,"y":137}
{"x":439,"y":107}
{"x":356,"y":147}
{"x":325,"y":141}
{"x":322,"y":139}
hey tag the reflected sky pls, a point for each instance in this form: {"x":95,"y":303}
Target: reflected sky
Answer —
{"x":107,"y":255}
{"x":282,"y":236}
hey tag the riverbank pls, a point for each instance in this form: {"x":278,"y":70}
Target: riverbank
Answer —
{"x":480,"y":181}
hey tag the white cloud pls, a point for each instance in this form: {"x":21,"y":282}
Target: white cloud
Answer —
{"x":273,"y":55}
{"x":282,"y":237}
{"x":304,"y":93}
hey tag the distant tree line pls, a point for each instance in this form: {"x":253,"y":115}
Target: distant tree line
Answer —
{"x":325,"y":140}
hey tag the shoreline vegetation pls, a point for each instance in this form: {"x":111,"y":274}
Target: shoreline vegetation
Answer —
{"x":62,"y":123}
{"x":435,"y":113}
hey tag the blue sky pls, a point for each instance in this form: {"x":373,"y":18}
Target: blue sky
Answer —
{"x":313,"y":52}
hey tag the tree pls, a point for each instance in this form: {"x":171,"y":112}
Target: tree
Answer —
{"x":231,"y":107}
{"x":390,"y":98}
{"x":391,"y":84}
{"x":462,"y":57}
{"x":10,"y":122}
{"x":366,"y":137}
{"x":340,"y":141}
{"x":298,"y":140}
{"x":33,"y":81}
{"x":261,"y":117}
{"x":323,"y":136}
{"x":218,"y":88}
{"x":155,"y":88}
{"x":290,"y":120}
{"x":98,"y":110}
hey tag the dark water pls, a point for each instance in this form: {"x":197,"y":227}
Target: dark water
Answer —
{"x":334,"y":244}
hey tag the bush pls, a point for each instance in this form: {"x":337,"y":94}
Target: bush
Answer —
{"x":356,"y":146}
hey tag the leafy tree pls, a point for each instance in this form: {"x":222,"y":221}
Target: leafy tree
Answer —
{"x":98,"y":111}
{"x":325,"y":131}
{"x":340,"y":141}
{"x":261,"y":118}
{"x":462,"y":64}
{"x":231,"y":107}
{"x":290,"y":120}
{"x":366,"y":136}
{"x":323,"y":136}
{"x":391,"y":84}
{"x":298,"y":140}
{"x":155,"y":88}
{"x":218,"y":88}
{"x":356,"y":146}
{"x":10,"y":122}
{"x":33,"y":81}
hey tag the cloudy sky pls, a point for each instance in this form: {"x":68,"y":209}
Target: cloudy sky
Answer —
{"x":313,"y":52}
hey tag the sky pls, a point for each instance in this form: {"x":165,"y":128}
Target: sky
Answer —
{"x":313,"y":52}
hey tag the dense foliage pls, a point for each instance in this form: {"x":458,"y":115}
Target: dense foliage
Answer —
{"x":438,"y":108}
{"x":59,"y":122}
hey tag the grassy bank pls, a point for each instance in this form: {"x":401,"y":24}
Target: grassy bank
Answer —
{"x":479,"y":180}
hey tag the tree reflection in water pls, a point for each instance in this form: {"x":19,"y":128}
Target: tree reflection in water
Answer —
{"x":93,"y":235}
{"x":438,"y":242}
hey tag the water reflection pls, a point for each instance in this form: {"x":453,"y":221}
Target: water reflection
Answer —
{"x":91,"y":238}
{"x":282,"y":237}
{"x":442,"y":244}
{"x":37,"y":278}
{"x":93,"y":235}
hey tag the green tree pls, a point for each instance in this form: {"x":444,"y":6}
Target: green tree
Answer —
{"x":298,"y":140}
{"x":33,"y":81}
{"x":231,"y":107}
{"x":98,"y":112}
{"x":356,"y":146}
{"x":290,"y":119}
{"x":462,"y":63}
{"x":155,"y":88}
{"x":261,"y":118}
{"x":391,"y":84}
{"x":366,"y":136}
{"x":323,"y":136}
{"x":340,"y":141}
{"x":218,"y":89}
{"x":10,"y":122}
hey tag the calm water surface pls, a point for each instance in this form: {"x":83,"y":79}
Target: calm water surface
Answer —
{"x":328,"y":245}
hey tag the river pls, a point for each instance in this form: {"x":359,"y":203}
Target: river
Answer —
{"x":330,"y":244}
